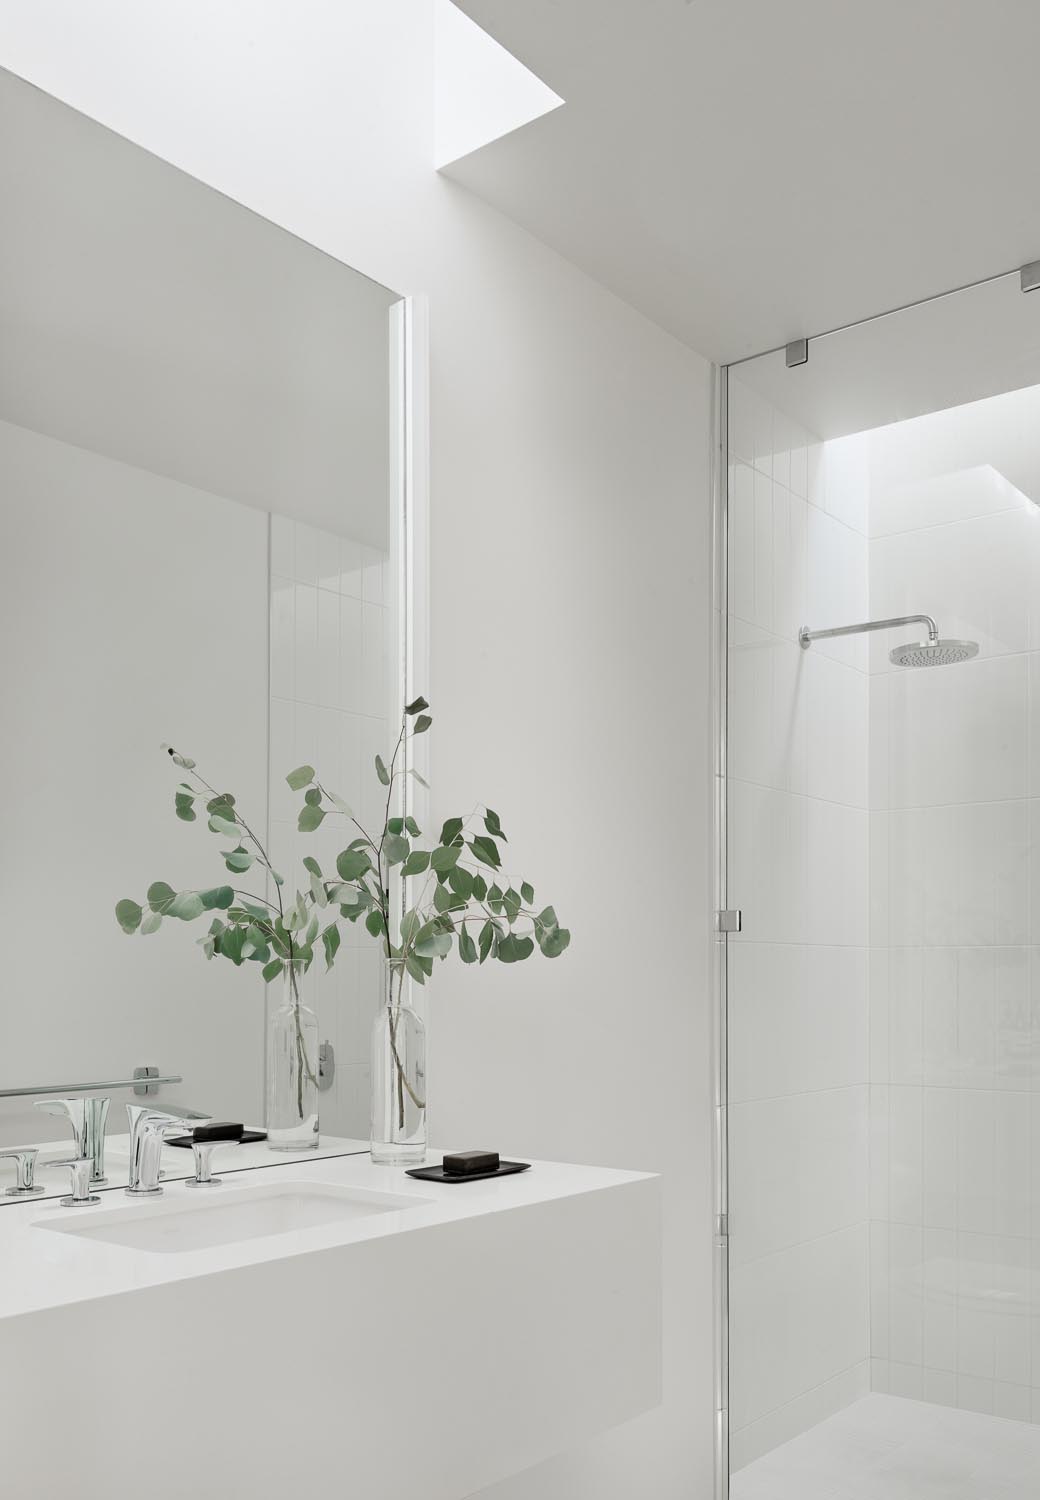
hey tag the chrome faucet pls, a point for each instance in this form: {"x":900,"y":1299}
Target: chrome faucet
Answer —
{"x":148,"y":1129}
{"x":87,"y":1118}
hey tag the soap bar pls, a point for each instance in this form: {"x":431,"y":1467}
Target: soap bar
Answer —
{"x":217,"y":1130}
{"x":461,"y":1163}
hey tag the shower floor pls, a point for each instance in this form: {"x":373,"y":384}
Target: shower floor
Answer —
{"x":885,"y":1448}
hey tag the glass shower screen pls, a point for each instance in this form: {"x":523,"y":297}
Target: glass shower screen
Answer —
{"x":880,"y":1006}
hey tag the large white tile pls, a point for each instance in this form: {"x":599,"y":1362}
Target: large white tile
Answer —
{"x":837,"y":698}
{"x":798,"y":1169}
{"x":798,"y":1319}
{"x":939,"y":500}
{"x":956,"y":734}
{"x":767,"y":703}
{"x":306,"y":642}
{"x":837,"y":588}
{"x":767,"y":862}
{"x":837,"y":862}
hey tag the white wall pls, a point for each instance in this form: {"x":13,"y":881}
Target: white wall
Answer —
{"x":798,"y":973}
{"x":570,"y":604}
{"x":955,"y":1126}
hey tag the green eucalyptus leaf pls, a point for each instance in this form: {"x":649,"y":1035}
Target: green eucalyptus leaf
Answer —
{"x":160,"y":895}
{"x":184,"y":806}
{"x":480,"y":889}
{"x":511,"y":902}
{"x":417,"y":863}
{"x":527,"y":892}
{"x":416,"y":706}
{"x":318,"y":891}
{"x":310,"y":818}
{"x":411,"y":923}
{"x":231,"y":944}
{"x":381,"y":771}
{"x":352,"y":864}
{"x":467,"y":947}
{"x":220,"y":897}
{"x":555,"y":942}
{"x":374,"y":922}
{"x":301,"y":777}
{"x":513,"y":949}
{"x":221,"y":800}
{"x":487,"y":939}
{"x":150,"y":922}
{"x":412,"y":826}
{"x":237,"y":860}
{"x":445,"y":858}
{"x":422,"y":724}
{"x":461,"y":882}
{"x":395,"y":825}
{"x":493,"y":826}
{"x":395,"y":848}
{"x":272,"y":970}
{"x":311,"y":865}
{"x":229,"y":829}
{"x":451,"y":830}
{"x":414,"y":967}
{"x":434,"y":945}
{"x":485,"y":850}
{"x":330,"y":941}
{"x":187,"y":905}
{"x":312,"y":796}
{"x":339,"y":804}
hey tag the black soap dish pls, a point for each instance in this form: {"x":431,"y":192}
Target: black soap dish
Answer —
{"x":468,"y":1166}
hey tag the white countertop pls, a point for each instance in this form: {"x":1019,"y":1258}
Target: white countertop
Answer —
{"x":41,"y":1270}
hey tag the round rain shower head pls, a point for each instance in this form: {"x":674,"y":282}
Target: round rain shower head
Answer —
{"x":933,"y":653}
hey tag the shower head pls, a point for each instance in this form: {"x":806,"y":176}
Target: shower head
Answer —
{"x":933,"y":653}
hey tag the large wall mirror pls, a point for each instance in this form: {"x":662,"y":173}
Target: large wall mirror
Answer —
{"x":202,"y":542}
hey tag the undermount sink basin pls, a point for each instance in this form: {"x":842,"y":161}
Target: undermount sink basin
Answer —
{"x":201,"y":1218}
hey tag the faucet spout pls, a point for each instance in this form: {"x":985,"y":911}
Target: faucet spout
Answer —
{"x":148,"y":1129}
{"x":87,"y":1118}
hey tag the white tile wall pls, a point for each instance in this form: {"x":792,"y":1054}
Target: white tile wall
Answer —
{"x":331,"y":638}
{"x":799,"y":999}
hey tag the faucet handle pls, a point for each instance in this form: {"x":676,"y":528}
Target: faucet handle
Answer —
{"x":81,"y":1195}
{"x":24,"y":1158}
{"x":203,"y":1153}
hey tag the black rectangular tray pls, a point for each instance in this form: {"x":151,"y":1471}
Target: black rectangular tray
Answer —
{"x":438,"y":1174}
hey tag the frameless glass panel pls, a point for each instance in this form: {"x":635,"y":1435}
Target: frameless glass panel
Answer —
{"x":882,"y":843}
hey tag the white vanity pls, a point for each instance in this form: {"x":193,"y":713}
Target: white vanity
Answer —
{"x":324,"y":1328}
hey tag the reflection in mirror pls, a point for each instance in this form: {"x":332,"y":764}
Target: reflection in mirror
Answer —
{"x":198,"y":545}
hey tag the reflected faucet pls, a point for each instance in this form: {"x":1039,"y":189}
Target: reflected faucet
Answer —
{"x":87,"y":1118}
{"x":148,"y":1129}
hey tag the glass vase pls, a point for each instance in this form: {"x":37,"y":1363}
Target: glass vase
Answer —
{"x":398,"y":1133}
{"x":292,"y":1072}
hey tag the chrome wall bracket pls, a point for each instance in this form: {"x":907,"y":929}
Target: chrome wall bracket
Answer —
{"x":730,"y":920}
{"x":797,"y":353}
{"x":1030,"y":276}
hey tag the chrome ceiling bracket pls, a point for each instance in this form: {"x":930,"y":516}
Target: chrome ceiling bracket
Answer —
{"x":797,"y":353}
{"x":1030,"y":276}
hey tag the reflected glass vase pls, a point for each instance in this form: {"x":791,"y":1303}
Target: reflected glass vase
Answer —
{"x":292,"y":1072}
{"x":398,"y":1133}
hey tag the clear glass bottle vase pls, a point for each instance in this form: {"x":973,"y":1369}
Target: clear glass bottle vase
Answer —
{"x":292,"y":1071}
{"x":398,"y":1133}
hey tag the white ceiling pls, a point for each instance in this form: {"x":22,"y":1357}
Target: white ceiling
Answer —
{"x":751,"y":171}
{"x":145,"y":316}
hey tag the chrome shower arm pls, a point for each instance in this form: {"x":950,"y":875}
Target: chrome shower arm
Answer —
{"x":807,"y":636}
